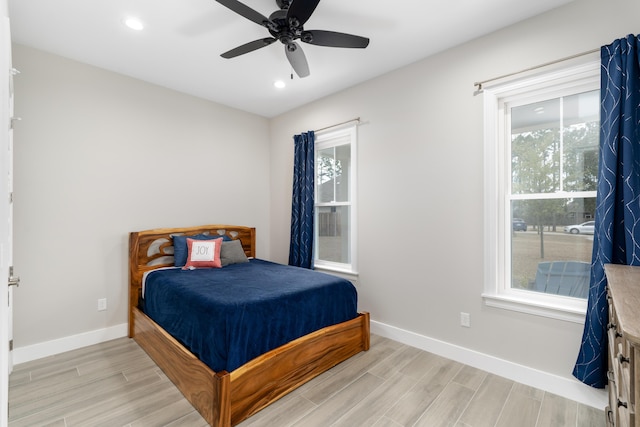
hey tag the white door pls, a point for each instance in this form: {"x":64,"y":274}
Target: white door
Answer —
{"x":12,"y":279}
{"x":6,"y":221}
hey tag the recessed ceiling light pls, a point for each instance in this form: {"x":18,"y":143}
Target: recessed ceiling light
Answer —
{"x":134,"y":24}
{"x":279,"y":84}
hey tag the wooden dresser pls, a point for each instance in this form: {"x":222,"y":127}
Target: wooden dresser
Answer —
{"x":623,"y":293}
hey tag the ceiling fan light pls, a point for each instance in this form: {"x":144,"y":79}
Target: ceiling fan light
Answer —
{"x":134,"y":23}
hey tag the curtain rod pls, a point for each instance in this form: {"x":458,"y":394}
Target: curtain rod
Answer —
{"x":357,"y":119}
{"x":535,"y":67}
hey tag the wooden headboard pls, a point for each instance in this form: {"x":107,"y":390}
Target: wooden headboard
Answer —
{"x":151,"y":249}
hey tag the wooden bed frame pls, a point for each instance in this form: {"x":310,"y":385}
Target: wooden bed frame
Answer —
{"x":225,"y":399}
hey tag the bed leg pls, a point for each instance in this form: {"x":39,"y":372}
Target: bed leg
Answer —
{"x":221,"y":411}
{"x":366,"y":331}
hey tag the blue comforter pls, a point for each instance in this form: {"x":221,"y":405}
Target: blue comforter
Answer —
{"x":228,"y":316}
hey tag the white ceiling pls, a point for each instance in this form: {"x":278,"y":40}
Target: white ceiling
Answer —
{"x":182,"y":41}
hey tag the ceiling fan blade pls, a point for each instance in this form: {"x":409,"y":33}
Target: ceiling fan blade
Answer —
{"x":333,"y":39}
{"x":248,"y":47}
{"x":244,"y":10}
{"x":296,"y":58}
{"x":301,"y":10}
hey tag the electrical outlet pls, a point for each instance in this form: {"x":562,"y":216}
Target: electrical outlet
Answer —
{"x":102,"y":304}
{"x":465,"y":319}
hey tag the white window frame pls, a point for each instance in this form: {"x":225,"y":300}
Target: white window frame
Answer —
{"x":344,"y":135}
{"x":497,"y":158}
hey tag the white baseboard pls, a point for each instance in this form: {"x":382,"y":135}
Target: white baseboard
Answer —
{"x":569,"y":388}
{"x":49,"y":348}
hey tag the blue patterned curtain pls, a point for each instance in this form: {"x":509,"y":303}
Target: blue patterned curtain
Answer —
{"x":617,"y":233}
{"x":301,"y":246}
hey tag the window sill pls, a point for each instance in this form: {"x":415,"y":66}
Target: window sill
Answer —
{"x":351,"y":276}
{"x":555,"y":307}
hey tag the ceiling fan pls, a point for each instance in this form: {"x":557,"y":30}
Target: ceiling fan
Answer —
{"x":286,"y":25}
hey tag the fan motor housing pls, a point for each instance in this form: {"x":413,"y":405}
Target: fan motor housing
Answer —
{"x":283,"y":30}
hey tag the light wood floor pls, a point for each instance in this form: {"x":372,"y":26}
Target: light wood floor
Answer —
{"x":391,"y":385}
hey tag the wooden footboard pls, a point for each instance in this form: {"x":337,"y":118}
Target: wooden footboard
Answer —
{"x":274,"y":374}
{"x":225,"y":399}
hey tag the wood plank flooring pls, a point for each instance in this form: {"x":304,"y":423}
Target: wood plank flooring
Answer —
{"x":392,"y":385}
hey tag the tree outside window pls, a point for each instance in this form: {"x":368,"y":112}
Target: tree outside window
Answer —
{"x":554,"y":161}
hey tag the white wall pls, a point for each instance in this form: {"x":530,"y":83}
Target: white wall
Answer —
{"x":98,"y":155}
{"x":421,"y":184}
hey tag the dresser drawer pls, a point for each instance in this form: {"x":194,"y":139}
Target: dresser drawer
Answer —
{"x":612,"y":409}
{"x":609,"y":422}
{"x":622,"y":374}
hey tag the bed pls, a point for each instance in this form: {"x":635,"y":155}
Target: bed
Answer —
{"x":227,"y":397}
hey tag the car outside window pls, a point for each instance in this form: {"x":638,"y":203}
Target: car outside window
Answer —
{"x":584,"y":228}
{"x":519,"y":224}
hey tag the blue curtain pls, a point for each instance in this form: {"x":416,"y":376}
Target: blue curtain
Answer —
{"x":301,"y":246}
{"x":617,"y":233}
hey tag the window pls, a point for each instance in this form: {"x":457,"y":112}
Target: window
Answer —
{"x":541,"y":164}
{"x":335,"y":208}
